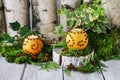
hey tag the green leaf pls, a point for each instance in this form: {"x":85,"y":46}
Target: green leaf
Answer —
{"x":69,"y":15}
{"x":15,"y":26}
{"x":59,"y":31}
{"x":5,"y":36}
{"x":63,"y":10}
{"x":87,"y":20}
{"x":102,"y":18}
{"x":71,"y":23}
{"x":60,"y":44}
{"x":24,"y":31}
{"x":11,"y":39}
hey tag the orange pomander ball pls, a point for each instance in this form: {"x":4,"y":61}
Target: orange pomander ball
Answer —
{"x":77,"y":39}
{"x":32,"y":45}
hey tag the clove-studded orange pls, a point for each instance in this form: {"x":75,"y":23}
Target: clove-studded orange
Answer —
{"x":32,"y":45}
{"x":77,"y":39}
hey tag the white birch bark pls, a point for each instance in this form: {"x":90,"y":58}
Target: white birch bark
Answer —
{"x":112,"y":10}
{"x":65,"y":60}
{"x":71,"y":4}
{"x":87,"y":1}
{"x":56,"y":55}
{"x":45,"y":18}
{"x":16,"y":10}
{"x":2,"y":19}
{"x":76,"y":61}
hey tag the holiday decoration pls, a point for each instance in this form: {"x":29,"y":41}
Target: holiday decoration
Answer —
{"x":77,"y":39}
{"x":32,"y":45}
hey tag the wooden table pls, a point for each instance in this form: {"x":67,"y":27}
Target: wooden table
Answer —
{"x":11,"y":71}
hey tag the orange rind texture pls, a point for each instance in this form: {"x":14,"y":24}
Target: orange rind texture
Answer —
{"x":32,"y":45}
{"x":77,"y":39}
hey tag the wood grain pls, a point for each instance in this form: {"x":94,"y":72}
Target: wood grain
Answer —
{"x":10,"y":71}
{"x":33,"y":73}
{"x":113,"y":70}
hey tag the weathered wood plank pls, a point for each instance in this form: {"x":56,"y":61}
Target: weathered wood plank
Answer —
{"x":83,"y":76}
{"x":10,"y":71}
{"x":34,"y":73}
{"x":112,"y":72}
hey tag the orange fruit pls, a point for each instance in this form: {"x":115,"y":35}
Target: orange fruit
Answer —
{"x":32,"y":45}
{"x":77,"y":39}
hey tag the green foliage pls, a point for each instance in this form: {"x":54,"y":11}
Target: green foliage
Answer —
{"x":60,"y":44}
{"x":77,"y":53}
{"x":87,"y":68}
{"x":116,"y":55}
{"x":87,"y":17}
{"x":10,"y":51}
{"x":47,"y":65}
{"x":11,"y":48}
{"x":23,"y":59}
{"x":59,"y":31}
{"x":104,"y":44}
{"x":103,"y":36}
{"x":5,"y":37}
{"x":91,"y":66}
{"x":47,"y":48}
{"x":14,"y":54}
{"x":15,"y":26}
{"x":23,"y":31}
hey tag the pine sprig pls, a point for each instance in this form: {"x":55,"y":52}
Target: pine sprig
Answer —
{"x":46,"y":65}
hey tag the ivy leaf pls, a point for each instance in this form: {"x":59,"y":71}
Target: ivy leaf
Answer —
{"x":24,"y":31}
{"x":102,"y":18}
{"x":15,"y":26}
{"x":71,"y":23}
{"x":97,"y":29}
{"x":59,"y":31}
{"x":87,"y":20}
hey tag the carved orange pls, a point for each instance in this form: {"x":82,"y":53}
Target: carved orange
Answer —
{"x":32,"y":45}
{"x":77,"y":39}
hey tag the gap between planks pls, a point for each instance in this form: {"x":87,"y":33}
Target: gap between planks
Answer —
{"x":11,"y":71}
{"x":23,"y":71}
